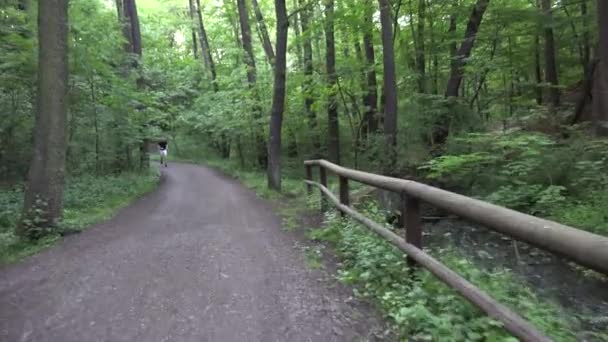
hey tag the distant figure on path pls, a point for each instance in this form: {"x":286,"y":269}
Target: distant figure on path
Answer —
{"x":162,"y":146}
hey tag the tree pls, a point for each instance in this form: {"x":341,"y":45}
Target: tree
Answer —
{"x":262,"y":153}
{"x":194,"y":42}
{"x":308,"y":75}
{"x":464,"y":52}
{"x":43,"y":201}
{"x":278,"y":98}
{"x":205,"y":48}
{"x":600,"y":90}
{"x":264,"y":32}
{"x":132,"y":31}
{"x":550,"y":64}
{"x":420,"y":57}
{"x":333,"y":127}
{"x":459,"y":61}
{"x":133,"y":47}
{"x":390,"y":85}
{"x":370,"y":100}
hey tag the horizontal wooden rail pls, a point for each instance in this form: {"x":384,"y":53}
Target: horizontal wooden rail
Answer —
{"x":582,"y":247}
{"x":513,"y":323}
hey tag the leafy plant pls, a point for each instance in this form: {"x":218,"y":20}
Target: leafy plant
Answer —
{"x":423,"y":308}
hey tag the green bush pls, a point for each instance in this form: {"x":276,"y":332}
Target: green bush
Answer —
{"x":530,"y":172}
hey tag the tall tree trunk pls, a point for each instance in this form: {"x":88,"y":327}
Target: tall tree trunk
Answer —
{"x":452,"y":35}
{"x":332,"y":107}
{"x":420,"y":57}
{"x":252,"y":79}
{"x":441,"y":130}
{"x":550,"y":64}
{"x":194,"y":42}
{"x":390,"y":86}
{"x":538,"y":75}
{"x":205,"y":48}
{"x":600,"y":89}
{"x":95,"y":122}
{"x":133,"y":33}
{"x":586,"y":43}
{"x":464,"y":52}
{"x":296,"y":30}
{"x":43,"y":201}
{"x":370,"y":100}
{"x":434,"y":54}
{"x":308,"y":75}
{"x":278,"y":99}
{"x":264,"y":32}
{"x":119,"y":7}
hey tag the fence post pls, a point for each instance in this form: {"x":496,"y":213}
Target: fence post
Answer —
{"x":410,"y":220}
{"x":344,"y":193}
{"x":323,"y":177}
{"x":309,"y":178}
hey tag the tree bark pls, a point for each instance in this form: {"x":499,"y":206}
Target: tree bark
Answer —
{"x":308,"y":75}
{"x":278,"y":98}
{"x":264,"y":32}
{"x":371,"y":92}
{"x":538,"y":75}
{"x":296,"y":30}
{"x":464,"y":52}
{"x":194,"y":42}
{"x":441,"y":130}
{"x":205,"y":48}
{"x":452,"y":35}
{"x":390,"y":86}
{"x":134,"y":35}
{"x":600,"y":91}
{"x":550,"y":64}
{"x":420,"y":57}
{"x":252,"y":79}
{"x":119,"y":11}
{"x":434,"y":54}
{"x":332,"y":106}
{"x":43,"y":203}
{"x":586,"y":43}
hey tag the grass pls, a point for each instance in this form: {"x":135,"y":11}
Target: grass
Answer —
{"x":87,"y":200}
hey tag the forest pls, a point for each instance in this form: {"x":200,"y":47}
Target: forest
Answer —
{"x":502,"y":100}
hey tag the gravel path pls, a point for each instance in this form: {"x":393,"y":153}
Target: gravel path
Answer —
{"x":200,"y":259}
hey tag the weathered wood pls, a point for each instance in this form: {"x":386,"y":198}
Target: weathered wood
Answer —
{"x":344,"y":192}
{"x":513,"y":323}
{"x":308,"y":177}
{"x":410,"y":219}
{"x":585,"y":248}
{"x":323,"y":180}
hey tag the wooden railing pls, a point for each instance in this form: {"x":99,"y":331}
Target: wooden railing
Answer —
{"x":582,"y":247}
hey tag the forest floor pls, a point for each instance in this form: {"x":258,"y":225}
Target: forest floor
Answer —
{"x":202,"y":258}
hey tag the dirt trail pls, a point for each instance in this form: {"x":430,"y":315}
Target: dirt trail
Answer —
{"x":200,"y":259}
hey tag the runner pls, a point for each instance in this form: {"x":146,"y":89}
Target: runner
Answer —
{"x":162,"y":146}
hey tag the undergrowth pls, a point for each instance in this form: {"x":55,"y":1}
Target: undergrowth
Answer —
{"x":87,"y":199}
{"x":560,"y":179}
{"x":422,"y":308}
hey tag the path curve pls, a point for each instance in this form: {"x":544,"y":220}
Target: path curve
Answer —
{"x":200,"y":259}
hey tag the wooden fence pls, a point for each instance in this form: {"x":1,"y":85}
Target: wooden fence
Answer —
{"x":587,"y":249}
